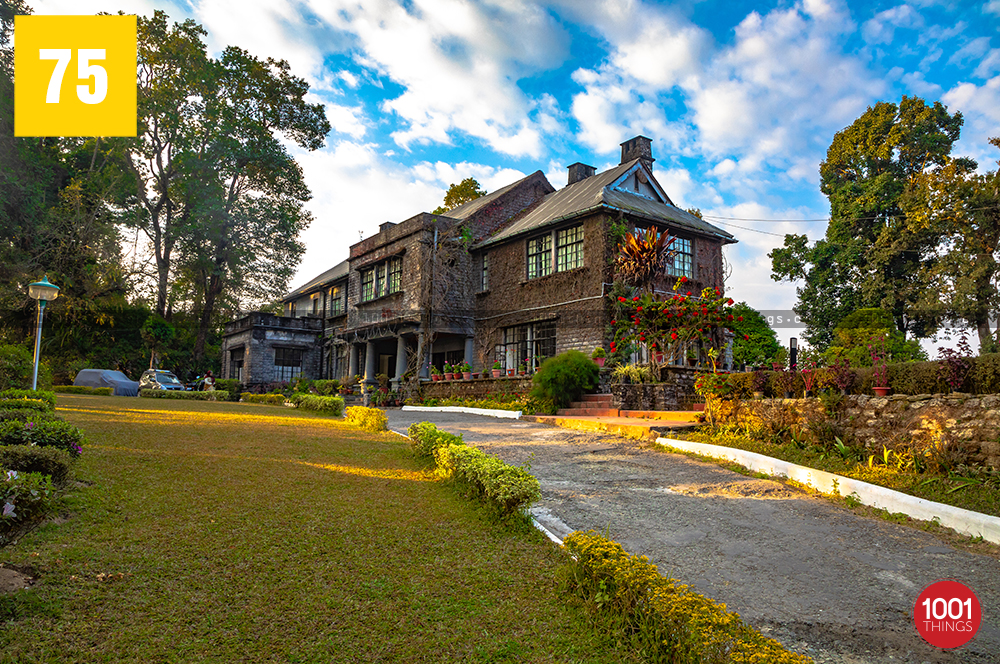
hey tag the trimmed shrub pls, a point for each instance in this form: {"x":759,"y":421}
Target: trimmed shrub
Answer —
{"x":326,"y":405}
{"x":17,"y":364}
{"x":565,"y":377}
{"x":25,"y":498}
{"x":369,"y":419}
{"x":660,"y":616}
{"x":425,"y":437}
{"x":215,"y":395}
{"x":272,"y":399}
{"x":506,"y":488}
{"x":52,"y":433}
{"x":26,"y":415}
{"x":83,"y":389}
{"x":49,"y":461}
{"x":12,"y":398}
{"x":230,"y":385}
{"x":326,"y":388}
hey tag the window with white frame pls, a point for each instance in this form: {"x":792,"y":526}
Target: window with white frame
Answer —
{"x":569,"y":248}
{"x":682,"y":264}
{"x":381,"y":279}
{"x":556,"y":251}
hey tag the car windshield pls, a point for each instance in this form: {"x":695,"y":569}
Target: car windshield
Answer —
{"x":168,"y":378}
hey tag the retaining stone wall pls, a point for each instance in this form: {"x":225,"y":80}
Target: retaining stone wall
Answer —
{"x":477,"y":388}
{"x":675,"y":391}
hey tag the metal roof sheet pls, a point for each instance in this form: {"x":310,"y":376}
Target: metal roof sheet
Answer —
{"x":594,"y":193}
{"x":336,"y":272}
{"x":466,"y":210}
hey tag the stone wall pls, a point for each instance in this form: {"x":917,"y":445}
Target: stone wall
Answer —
{"x":675,"y":391}
{"x":952,"y":421}
{"x":477,"y":388}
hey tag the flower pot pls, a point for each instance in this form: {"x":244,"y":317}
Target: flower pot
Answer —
{"x":882,"y":391}
{"x":510,"y":372}
{"x":692,"y":362}
{"x":466,"y":375}
{"x":435,"y":377}
{"x":599,"y":361}
{"x":496,"y":372}
{"x":449,"y":376}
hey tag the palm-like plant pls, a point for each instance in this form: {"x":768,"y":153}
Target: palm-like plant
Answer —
{"x":643,"y":256}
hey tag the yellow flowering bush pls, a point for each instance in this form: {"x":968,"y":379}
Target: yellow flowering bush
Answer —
{"x":663,"y":618}
{"x":369,"y":419}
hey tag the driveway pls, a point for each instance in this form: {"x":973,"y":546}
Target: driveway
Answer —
{"x":824,"y":581}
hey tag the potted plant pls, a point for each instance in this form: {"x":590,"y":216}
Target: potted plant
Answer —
{"x":522,"y":369}
{"x":841,"y":374}
{"x":599,"y":356}
{"x":449,"y":372}
{"x":785,"y":379}
{"x":435,"y":374}
{"x":497,"y":369}
{"x":466,"y":371}
{"x":692,"y":357}
{"x":880,"y":369}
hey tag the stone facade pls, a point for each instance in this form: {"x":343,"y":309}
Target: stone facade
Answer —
{"x":675,"y":391}
{"x":259,"y":339}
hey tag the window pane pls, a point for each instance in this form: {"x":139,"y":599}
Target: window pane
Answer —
{"x":569,"y":248}
{"x":539,"y":256}
{"x":683,"y":261}
{"x":367,"y":285}
{"x":484,"y":284}
{"x":395,"y":274}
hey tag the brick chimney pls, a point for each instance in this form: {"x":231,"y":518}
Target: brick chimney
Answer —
{"x":579,"y":172}
{"x":639,"y":147}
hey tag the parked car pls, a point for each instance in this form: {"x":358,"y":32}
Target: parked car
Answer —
{"x":122,"y":384}
{"x":158,"y":379}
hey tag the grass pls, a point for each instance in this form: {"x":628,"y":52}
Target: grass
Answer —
{"x":223,"y":532}
{"x":950,"y":491}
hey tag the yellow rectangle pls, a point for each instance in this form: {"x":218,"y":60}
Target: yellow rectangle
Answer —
{"x":75,"y":76}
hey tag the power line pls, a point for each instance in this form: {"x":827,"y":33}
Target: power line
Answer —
{"x":709,"y":216}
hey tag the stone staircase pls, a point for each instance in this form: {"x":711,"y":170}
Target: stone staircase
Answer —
{"x":593,"y":405}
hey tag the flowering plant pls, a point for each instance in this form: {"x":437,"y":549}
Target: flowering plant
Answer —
{"x":880,"y":368}
{"x":673,"y":323}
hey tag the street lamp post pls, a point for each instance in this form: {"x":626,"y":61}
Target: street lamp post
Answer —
{"x":42,"y":291}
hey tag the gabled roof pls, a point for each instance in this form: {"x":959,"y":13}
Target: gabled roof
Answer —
{"x":466,"y":210}
{"x":599,"y":192}
{"x":338,"y":271}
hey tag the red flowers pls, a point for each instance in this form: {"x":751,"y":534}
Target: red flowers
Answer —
{"x":638,"y":308}
{"x":673,"y":336}
{"x":746,"y":337}
{"x":635,"y":299}
{"x":689,"y":293}
{"x":621,"y":299}
{"x":684,"y":280}
{"x":740,"y":319}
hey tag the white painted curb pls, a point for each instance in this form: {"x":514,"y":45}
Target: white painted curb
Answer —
{"x":966,"y":522}
{"x":489,"y":412}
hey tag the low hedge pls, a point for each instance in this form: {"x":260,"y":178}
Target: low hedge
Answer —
{"x":214,"y":395}
{"x":506,"y":488}
{"x":28,"y":399}
{"x":83,"y":389}
{"x":326,"y":405}
{"x":326,"y":388}
{"x":51,"y":433}
{"x":369,"y":419}
{"x":273,"y":399}
{"x":49,"y":461}
{"x":26,"y":415}
{"x":25,"y":498}
{"x":230,"y":385}
{"x":425,"y":437}
{"x":661,"y":617}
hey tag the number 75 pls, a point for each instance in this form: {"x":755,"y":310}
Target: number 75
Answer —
{"x":85,"y":70}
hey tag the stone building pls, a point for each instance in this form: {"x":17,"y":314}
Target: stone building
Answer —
{"x":514,"y":276}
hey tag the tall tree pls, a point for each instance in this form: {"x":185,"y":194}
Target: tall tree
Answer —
{"x":870,"y":257}
{"x":220,"y":198}
{"x":963,"y":272}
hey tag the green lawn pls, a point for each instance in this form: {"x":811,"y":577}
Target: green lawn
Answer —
{"x":224,"y":532}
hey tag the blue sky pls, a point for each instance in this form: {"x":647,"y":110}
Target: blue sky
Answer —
{"x":741,"y":99}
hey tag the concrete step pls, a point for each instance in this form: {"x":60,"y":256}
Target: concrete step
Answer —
{"x":669,"y":415}
{"x":599,"y":398}
{"x":588,"y":412}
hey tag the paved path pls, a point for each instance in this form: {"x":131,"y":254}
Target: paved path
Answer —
{"x":820,"y":579}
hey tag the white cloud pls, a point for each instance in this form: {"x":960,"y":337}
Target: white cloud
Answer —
{"x":980,"y":107}
{"x":458,"y":63}
{"x":881,"y":29}
{"x":992,"y":7}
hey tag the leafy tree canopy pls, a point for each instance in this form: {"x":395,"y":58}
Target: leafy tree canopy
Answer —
{"x":856,"y":332}
{"x":763,"y":342}
{"x":870,"y":257}
{"x":463,"y":192}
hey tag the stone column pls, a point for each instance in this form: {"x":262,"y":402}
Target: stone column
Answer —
{"x":469,"y":350}
{"x":370,"y":364}
{"x":425,"y":357}
{"x":400,"y":362}
{"x":352,"y":361}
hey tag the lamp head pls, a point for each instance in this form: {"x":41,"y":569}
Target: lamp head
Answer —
{"x":43,"y":290}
